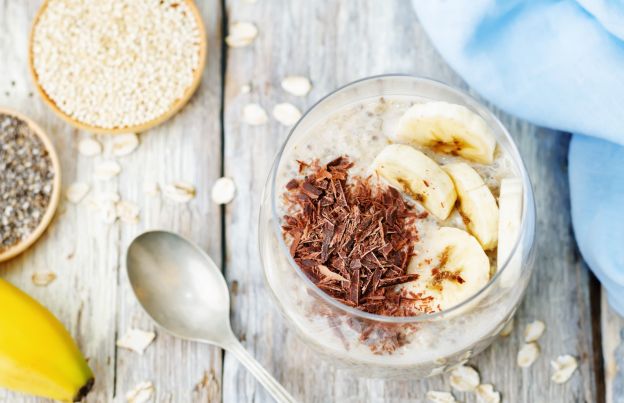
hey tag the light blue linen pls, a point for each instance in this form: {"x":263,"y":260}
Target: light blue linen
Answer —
{"x":559,"y":64}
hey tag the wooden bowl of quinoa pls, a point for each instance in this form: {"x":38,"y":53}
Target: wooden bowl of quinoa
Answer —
{"x":117,"y":66}
{"x":31,"y":173}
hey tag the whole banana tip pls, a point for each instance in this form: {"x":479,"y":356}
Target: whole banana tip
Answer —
{"x":84,"y":391}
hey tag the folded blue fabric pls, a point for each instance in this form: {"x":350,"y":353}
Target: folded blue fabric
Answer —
{"x":558,"y":64}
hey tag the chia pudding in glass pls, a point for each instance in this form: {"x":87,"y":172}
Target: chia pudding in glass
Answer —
{"x":397,"y":227}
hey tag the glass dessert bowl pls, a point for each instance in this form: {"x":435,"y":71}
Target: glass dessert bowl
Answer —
{"x":397,"y":227}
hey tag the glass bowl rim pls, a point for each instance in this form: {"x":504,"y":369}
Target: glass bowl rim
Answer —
{"x":527,"y":198}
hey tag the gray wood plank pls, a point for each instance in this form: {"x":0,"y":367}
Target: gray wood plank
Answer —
{"x":334,"y":43}
{"x":91,"y":295}
{"x":84,"y":294}
{"x":187,"y":148}
{"x":613,"y":351}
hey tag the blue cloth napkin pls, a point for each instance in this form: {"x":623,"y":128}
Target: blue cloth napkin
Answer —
{"x":558,"y":64}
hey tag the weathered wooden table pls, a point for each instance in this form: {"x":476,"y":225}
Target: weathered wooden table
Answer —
{"x":333,"y":43}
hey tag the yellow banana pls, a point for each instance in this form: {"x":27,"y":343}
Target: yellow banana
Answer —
{"x":37,"y":354}
{"x":476,"y":203}
{"x":418,"y":176}
{"x":509,"y":225}
{"x":452,"y":267}
{"x":448,"y":128}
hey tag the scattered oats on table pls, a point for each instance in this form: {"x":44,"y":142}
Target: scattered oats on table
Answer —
{"x":26,"y":182}
{"x":136,"y":340}
{"x":241,"y":33}
{"x":563,"y":368}
{"x":89,"y":147}
{"x":527,"y":354}
{"x":287,"y":114}
{"x":223,"y":190}
{"x":135,"y":58}
{"x":124,"y":144}
{"x":104,"y":205}
{"x":43,"y":278}
{"x":141,"y":393}
{"x":208,"y":385}
{"x":108,"y":213}
{"x":127,"y":212}
{"x":435,"y":396}
{"x":534,"y":331}
{"x":179,"y":192}
{"x":254,"y":115}
{"x":296,"y":85}
{"x":464,"y":379}
{"x":76,"y":192}
{"x":486,"y":394}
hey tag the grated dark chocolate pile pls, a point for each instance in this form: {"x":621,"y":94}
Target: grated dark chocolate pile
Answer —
{"x":353,"y":239}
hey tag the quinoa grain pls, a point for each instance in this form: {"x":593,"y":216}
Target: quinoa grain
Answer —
{"x":115,"y":63}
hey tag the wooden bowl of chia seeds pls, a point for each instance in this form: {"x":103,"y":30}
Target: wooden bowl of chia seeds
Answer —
{"x":117,"y":67}
{"x":30,"y":184}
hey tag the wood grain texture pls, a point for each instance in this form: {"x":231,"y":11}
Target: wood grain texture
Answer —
{"x":91,"y":295}
{"x":186,"y":148}
{"x":613,"y":351}
{"x":334,"y":43}
{"x":84,"y":295}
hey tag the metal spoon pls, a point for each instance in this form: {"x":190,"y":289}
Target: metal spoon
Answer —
{"x":184,"y":292}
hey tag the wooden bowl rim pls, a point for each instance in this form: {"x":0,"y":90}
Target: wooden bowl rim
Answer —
{"x":175,"y":108}
{"x":56,"y":188}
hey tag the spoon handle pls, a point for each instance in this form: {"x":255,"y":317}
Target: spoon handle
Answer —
{"x":262,"y":375}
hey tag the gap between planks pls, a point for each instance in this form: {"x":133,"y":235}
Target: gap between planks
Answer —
{"x":223,"y":69}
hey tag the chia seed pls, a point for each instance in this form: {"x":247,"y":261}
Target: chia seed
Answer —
{"x":26,"y":180}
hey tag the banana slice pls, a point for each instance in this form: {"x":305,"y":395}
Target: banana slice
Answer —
{"x":452,"y":268}
{"x":448,"y":128}
{"x":510,"y":220}
{"x":418,"y":176}
{"x":476,"y":203}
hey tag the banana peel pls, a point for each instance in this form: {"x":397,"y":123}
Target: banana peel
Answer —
{"x":37,"y":354}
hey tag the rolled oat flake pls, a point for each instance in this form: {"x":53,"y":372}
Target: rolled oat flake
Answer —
{"x":26,"y":181}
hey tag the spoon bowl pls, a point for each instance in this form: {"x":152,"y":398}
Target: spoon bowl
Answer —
{"x":179,"y":286}
{"x":184,"y":292}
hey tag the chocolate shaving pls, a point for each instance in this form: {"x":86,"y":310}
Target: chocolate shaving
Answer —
{"x":364,"y":233}
{"x":302,"y":166}
{"x":386,"y":282}
{"x":292,"y":184}
{"x":310,"y":190}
